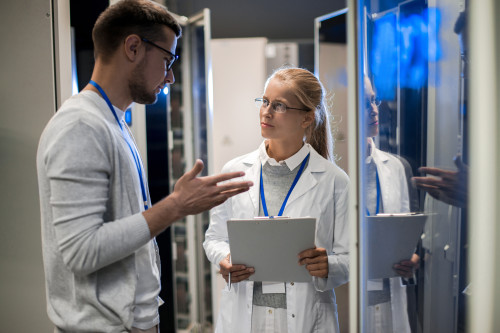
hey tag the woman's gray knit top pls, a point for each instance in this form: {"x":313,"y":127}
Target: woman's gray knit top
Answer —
{"x":277,"y":182}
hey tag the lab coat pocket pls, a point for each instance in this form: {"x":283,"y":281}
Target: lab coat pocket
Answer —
{"x":225,"y":311}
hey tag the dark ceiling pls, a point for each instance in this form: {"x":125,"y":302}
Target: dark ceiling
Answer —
{"x":274,"y":19}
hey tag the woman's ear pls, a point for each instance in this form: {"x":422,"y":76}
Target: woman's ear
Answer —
{"x":308,"y":119}
{"x":131,"y":45}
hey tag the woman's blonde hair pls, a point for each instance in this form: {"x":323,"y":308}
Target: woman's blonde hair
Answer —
{"x":311,"y":94}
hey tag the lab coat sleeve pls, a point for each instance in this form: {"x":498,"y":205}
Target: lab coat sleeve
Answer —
{"x":338,"y":255}
{"x":216,"y":242}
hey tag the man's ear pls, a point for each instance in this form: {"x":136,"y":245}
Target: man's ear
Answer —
{"x":131,"y":45}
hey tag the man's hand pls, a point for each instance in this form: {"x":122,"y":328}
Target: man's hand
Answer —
{"x":447,"y":186}
{"x":238,"y":272}
{"x":316,"y":261}
{"x":193,"y":195}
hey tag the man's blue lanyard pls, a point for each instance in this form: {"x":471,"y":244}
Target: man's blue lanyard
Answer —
{"x":379,"y":199}
{"x":134,"y":152}
{"x":263,"y":197}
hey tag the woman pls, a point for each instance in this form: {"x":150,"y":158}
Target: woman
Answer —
{"x":297,"y":145}
{"x":387,"y":192}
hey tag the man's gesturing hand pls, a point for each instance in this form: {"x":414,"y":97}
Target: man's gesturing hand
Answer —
{"x":448,"y":186}
{"x":193,"y":195}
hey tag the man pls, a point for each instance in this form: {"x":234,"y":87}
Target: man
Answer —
{"x":98,"y":225}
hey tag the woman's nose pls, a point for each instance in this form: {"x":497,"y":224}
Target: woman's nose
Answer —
{"x":266,"y":111}
{"x":373,"y":110}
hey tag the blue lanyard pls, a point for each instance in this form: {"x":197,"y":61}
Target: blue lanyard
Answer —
{"x":263,"y":197}
{"x":379,"y":199}
{"x":134,"y":152}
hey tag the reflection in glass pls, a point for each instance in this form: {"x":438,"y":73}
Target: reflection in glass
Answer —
{"x":414,"y":160}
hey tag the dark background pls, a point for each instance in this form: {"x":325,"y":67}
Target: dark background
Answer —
{"x":274,"y":19}
{"x":277,"y":20}
{"x":282,"y":20}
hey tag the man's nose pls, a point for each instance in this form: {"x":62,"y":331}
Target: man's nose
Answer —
{"x":169,"y":77}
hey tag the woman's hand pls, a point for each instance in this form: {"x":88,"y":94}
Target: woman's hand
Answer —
{"x":316,"y":261}
{"x":238,"y":272}
{"x":406,"y":268}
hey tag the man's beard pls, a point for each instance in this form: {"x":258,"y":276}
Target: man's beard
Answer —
{"x":137,"y":86}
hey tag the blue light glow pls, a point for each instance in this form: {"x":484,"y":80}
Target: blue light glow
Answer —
{"x":165,"y":90}
{"x":128,"y":116}
{"x":413,"y":41}
{"x":384,"y":57}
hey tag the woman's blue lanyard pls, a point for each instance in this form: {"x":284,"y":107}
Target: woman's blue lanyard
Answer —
{"x":263,"y":197}
{"x":379,"y":199}
{"x":134,"y":152}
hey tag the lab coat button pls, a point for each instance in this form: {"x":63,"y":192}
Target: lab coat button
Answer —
{"x":293,"y":316}
{"x":291,"y":283}
{"x":270,"y":311}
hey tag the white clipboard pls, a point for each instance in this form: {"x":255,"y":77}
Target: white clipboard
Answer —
{"x":391,"y":238}
{"x":271,"y":246}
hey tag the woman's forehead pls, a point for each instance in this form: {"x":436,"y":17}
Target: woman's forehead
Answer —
{"x":278,"y":88}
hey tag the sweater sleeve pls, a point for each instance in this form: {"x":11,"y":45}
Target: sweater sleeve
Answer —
{"x":77,"y":161}
{"x":216,"y":242}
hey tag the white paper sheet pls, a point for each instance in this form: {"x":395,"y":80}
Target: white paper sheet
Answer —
{"x":273,"y":287}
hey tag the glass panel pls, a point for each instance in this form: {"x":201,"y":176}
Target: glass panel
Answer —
{"x":413,"y":165}
{"x":177,"y":97}
{"x":189,"y":124}
{"x":200,"y":130}
{"x":331,"y":69}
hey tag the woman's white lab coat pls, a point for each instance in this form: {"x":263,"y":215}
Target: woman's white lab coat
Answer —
{"x":321,"y":192}
{"x":395,"y":199}
{"x":393,"y":183}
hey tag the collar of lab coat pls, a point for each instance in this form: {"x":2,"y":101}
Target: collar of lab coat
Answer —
{"x":306,"y":182}
{"x":292,"y":162}
{"x":376,"y":154}
{"x":388,"y":176}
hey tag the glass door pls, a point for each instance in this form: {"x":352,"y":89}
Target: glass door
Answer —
{"x":190,"y":135}
{"x":330,"y":66}
{"x":410,"y":164}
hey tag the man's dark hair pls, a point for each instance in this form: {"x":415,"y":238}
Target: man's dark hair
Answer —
{"x":142,"y":17}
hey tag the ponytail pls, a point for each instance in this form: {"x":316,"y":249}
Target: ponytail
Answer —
{"x":319,"y":134}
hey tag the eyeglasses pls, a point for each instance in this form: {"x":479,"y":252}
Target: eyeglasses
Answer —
{"x":174,"y":56}
{"x":372,"y":101}
{"x":277,"y":107}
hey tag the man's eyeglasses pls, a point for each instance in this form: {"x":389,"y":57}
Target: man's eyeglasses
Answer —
{"x":174,"y":56}
{"x":277,"y":107}
{"x":372,"y":101}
